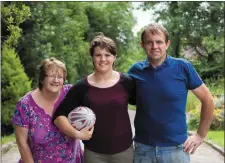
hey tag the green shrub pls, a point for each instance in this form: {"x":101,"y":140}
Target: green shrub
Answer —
{"x":7,"y":139}
{"x":194,"y":118}
{"x":218,"y":113}
{"x":193,"y":105}
{"x":217,"y":119}
{"x":216,"y":86}
{"x":14,"y":83}
{"x":192,"y":101}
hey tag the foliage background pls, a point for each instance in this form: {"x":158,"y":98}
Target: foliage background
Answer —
{"x":32,"y":31}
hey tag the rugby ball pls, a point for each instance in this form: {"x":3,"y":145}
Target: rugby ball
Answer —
{"x":81,"y":117}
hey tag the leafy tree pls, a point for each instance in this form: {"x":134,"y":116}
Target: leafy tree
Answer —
{"x":14,"y":83}
{"x":13,"y":14}
{"x":134,"y":54}
{"x":212,"y":66}
{"x":116,"y":21}
{"x":55,"y":29}
{"x":64,"y":30}
{"x":191,"y":24}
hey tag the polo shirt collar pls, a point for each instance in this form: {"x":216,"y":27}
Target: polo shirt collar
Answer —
{"x":166,"y":63}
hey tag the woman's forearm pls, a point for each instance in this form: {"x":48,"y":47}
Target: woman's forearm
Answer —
{"x":64,"y":126}
{"x":25,"y":152}
{"x":22,"y":143}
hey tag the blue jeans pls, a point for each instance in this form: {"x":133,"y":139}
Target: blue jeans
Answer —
{"x":150,"y":154}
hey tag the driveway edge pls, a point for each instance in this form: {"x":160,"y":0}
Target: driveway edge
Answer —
{"x":6,"y":147}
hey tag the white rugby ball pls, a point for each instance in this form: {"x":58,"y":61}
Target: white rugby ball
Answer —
{"x":81,"y":117}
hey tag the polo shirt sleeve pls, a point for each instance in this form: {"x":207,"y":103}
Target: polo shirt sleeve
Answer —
{"x":131,"y":70}
{"x":193,"y":79}
{"x":72,"y":100}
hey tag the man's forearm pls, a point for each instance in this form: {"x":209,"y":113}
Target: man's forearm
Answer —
{"x":205,"y":117}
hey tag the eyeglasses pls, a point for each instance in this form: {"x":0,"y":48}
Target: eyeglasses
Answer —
{"x":54,"y":77}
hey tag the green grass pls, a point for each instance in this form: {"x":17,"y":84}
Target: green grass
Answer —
{"x":132,"y":107}
{"x":216,"y":137}
{"x":7,"y":139}
{"x":192,"y":101}
{"x":216,"y":86}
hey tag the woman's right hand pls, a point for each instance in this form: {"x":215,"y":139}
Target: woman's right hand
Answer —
{"x":85,"y":133}
{"x":64,"y":126}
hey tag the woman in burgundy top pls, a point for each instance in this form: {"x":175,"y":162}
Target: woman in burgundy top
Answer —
{"x":107,"y":93}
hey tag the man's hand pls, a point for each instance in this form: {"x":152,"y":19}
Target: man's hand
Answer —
{"x":192,"y":143}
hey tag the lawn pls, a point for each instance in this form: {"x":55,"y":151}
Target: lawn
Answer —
{"x":217,"y":87}
{"x":7,"y":139}
{"x":216,"y":137}
{"x":132,"y":107}
{"x":192,"y":101}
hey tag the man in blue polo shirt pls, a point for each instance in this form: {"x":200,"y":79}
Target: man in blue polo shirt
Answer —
{"x":162,"y":84}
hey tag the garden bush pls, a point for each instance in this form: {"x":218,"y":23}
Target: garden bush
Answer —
{"x":217,"y":119}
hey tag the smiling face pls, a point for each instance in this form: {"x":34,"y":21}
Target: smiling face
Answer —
{"x":52,"y":72}
{"x":103,"y":60}
{"x":54,"y":79}
{"x":155,"y":46}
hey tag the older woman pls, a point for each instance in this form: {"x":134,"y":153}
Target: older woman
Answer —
{"x":38,"y":139}
{"x":107,"y":93}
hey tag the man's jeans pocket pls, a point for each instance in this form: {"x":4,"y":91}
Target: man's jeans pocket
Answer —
{"x":154,"y":154}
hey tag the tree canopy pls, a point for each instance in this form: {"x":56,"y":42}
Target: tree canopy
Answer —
{"x":199,"y":25}
{"x":15,"y":83}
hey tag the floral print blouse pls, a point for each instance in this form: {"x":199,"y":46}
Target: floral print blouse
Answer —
{"x":47,"y":143}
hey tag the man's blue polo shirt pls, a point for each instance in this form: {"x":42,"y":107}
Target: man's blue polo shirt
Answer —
{"x":161,"y":95}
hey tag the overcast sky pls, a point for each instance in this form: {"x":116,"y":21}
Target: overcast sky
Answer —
{"x":142,"y":17}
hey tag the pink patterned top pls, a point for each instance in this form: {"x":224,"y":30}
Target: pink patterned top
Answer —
{"x":47,"y":143}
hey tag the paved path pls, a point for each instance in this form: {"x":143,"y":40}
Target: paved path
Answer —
{"x":12,"y":156}
{"x":204,"y":154}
